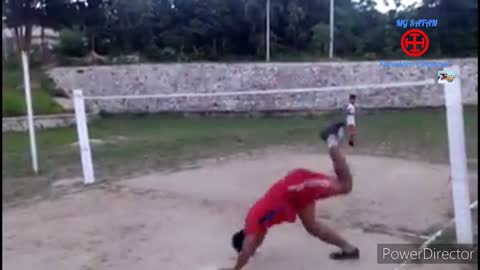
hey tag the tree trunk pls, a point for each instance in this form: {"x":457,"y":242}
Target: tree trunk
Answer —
{"x":23,"y":37}
{"x":224,"y":45}
{"x":215,"y":47}
{"x":42,"y":42}
{"x":17,"y":33}
{"x":28,"y":37}
{"x":92,"y":43}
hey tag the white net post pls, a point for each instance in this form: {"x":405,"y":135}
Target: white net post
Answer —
{"x":28,"y":98}
{"x":458,"y":160}
{"x":83,"y":138}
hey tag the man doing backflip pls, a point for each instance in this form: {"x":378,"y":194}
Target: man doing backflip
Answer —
{"x":295,"y":195}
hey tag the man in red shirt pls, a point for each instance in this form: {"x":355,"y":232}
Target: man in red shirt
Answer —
{"x":295,"y":195}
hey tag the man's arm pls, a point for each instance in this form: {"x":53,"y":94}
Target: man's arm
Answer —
{"x":350,"y":109}
{"x":331,"y":183}
{"x":250,"y":245}
{"x":310,"y":184}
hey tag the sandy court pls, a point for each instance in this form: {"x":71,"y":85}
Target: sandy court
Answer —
{"x":184,"y":220}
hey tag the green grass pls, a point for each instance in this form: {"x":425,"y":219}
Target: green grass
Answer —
{"x":448,"y":237}
{"x":137,"y":145}
{"x":13,"y":98}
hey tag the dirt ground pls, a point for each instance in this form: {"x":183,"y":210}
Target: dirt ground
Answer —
{"x":184,"y":220}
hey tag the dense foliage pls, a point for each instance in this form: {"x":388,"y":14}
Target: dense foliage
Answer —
{"x":235,"y":29}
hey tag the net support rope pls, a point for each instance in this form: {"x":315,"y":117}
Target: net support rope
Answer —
{"x":268,"y":92}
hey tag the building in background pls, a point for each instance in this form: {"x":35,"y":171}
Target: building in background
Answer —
{"x":50,"y":39}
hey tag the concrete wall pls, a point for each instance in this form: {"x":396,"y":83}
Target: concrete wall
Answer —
{"x":210,"y":77}
{"x":40,"y":121}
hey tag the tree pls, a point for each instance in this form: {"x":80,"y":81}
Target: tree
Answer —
{"x":320,"y":38}
{"x":91,"y":16}
{"x":21,"y":16}
{"x":219,"y":29}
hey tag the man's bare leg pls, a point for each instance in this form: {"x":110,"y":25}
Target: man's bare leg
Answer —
{"x":340,"y":166}
{"x":351,"y":135}
{"x":322,"y":231}
{"x":333,"y":136}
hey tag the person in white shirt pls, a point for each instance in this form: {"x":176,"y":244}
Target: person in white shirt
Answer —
{"x":351,"y":120}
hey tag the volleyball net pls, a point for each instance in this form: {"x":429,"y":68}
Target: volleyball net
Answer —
{"x":306,"y":98}
{"x":452,"y":98}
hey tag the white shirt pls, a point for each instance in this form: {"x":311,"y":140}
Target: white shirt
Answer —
{"x":350,"y":114}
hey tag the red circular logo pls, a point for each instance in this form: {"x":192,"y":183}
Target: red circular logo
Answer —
{"x":415,"y":42}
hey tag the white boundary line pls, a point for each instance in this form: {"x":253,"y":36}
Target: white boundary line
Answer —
{"x":435,"y":236}
{"x":412,"y":235}
{"x":268,"y":92}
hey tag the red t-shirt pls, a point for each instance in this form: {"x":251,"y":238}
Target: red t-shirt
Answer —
{"x":280,"y":205}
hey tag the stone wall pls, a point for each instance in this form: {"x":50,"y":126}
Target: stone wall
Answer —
{"x":40,"y":122}
{"x":211,"y":78}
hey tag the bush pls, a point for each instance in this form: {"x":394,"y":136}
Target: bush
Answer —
{"x":48,"y":85}
{"x":13,"y":103}
{"x":320,"y":38}
{"x":13,"y":98}
{"x":35,"y":56}
{"x":153,"y":52}
{"x":370,"y":56}
{"x":71,"y":43}
{"x":13,"y":62}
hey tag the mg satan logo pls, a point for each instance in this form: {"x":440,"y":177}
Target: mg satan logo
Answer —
{"x":415,"y":42}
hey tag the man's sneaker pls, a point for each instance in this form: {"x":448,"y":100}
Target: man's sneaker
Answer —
{"x":337,"y":129}
{"x":342,"y":255}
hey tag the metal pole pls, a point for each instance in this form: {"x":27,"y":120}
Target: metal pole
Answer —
{"x":28,"y":98}
{"x":267,"y":31}
{"x":330,"y":49}
{"x":4,"y":40}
